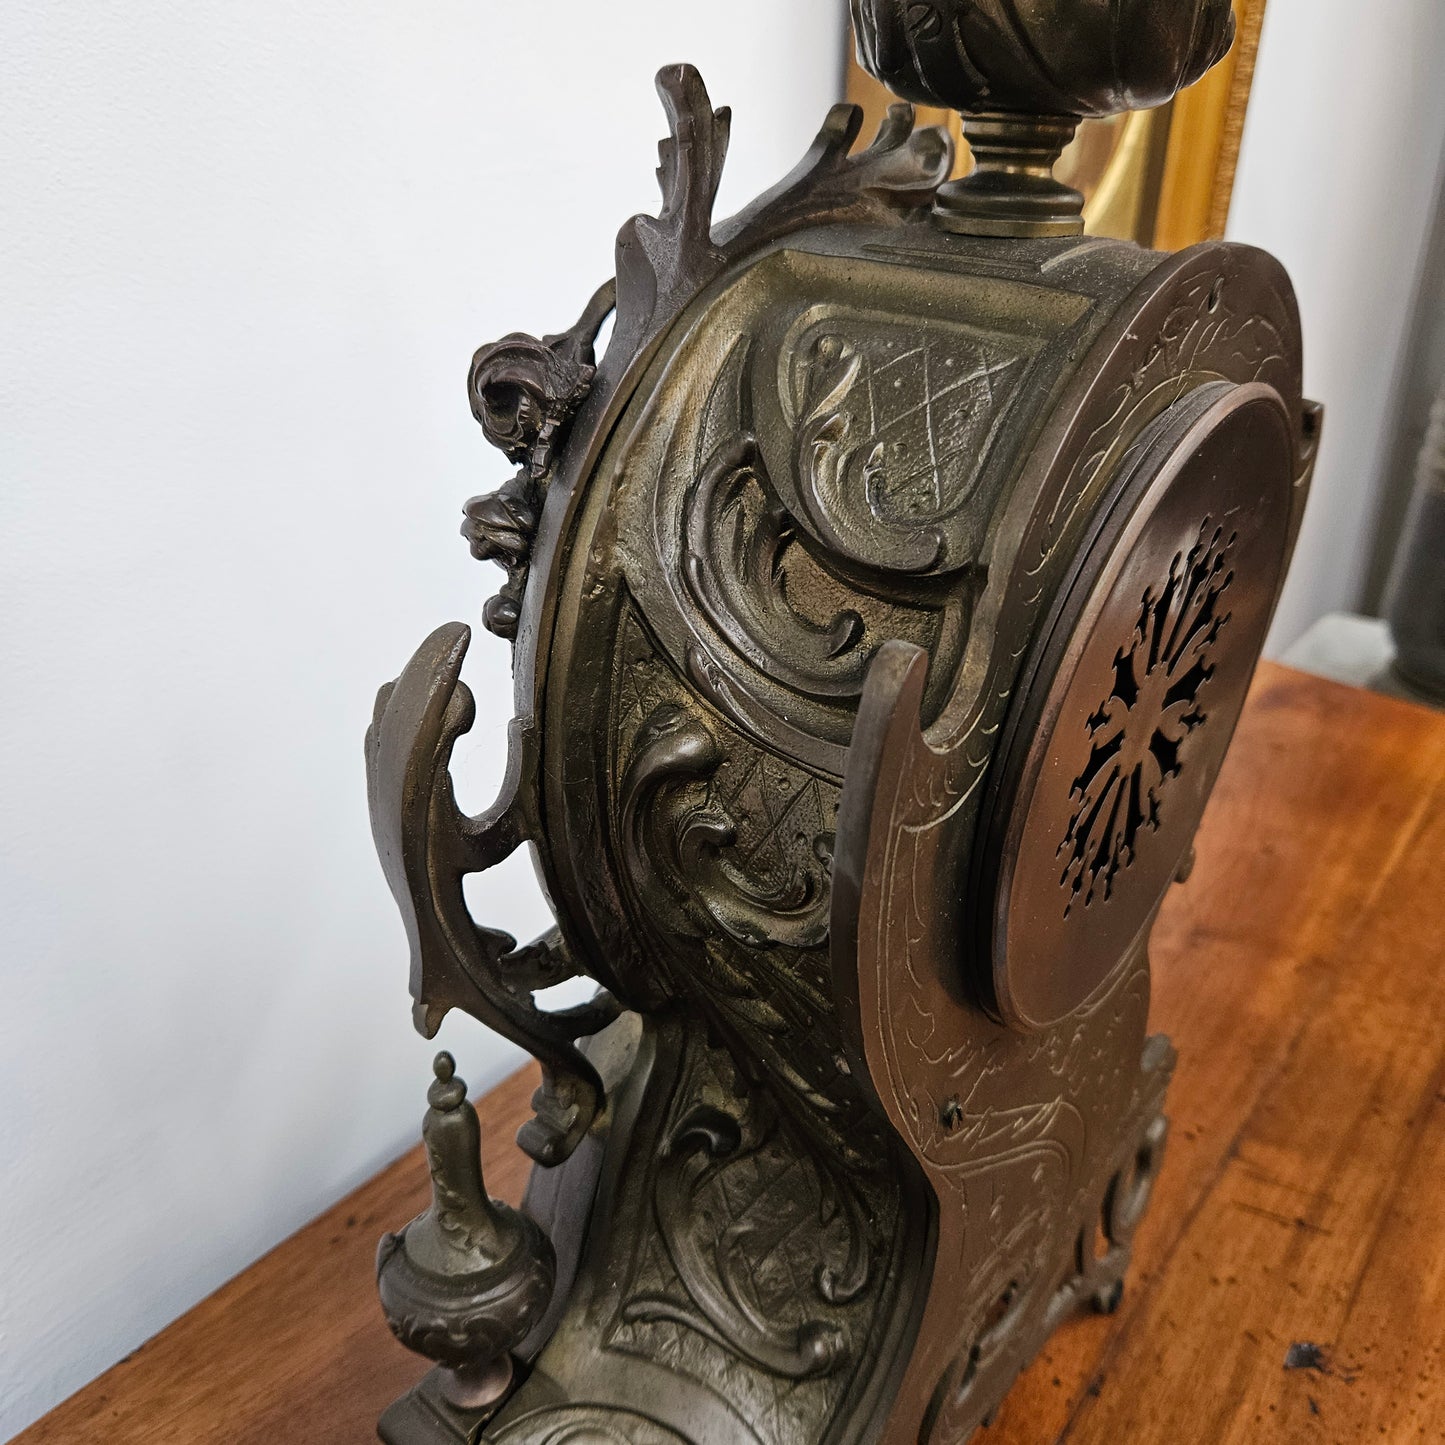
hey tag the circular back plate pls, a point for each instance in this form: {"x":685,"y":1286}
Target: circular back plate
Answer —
{"x":1127,"y":707}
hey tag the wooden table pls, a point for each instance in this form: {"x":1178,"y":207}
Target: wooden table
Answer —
{"x":1301,"y":973}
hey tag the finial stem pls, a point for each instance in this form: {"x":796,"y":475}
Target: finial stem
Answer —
{"x":1012,"y":190}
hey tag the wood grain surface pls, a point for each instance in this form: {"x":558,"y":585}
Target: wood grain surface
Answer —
{"x":1300,"y":1215}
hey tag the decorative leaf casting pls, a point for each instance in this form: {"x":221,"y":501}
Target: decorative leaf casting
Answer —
{"x":525,"y":392}
{"x":1139,"y":730}
{"x":897,"y":173}
{"x":665,"y":257}
{"x":726,"y":852}
{"x":501,"y":526}
{"x":776,"y":626}
{"x":739,"y":1232}
{"x":716,"y":1276}
{"x":894,"y":429}
{"x":735,"y":544}
{"x":663,"y":261}
{"x":772,"y":1252}
{"x":839,"y":481}
{"x":679,"y":842}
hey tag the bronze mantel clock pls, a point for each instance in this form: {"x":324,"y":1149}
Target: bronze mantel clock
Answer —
{"x":882,"y":604}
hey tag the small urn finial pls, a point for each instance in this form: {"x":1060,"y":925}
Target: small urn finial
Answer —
{"x":464,"y":1283}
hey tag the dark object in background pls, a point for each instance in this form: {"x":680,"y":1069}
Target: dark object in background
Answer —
{"x":883,"y":603}
{"x":1415,"y":605}
{"x":1305,"y":1355}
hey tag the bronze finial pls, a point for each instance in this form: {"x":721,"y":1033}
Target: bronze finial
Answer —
{"x":1025,"y":73}
{"x":463,"y":1283}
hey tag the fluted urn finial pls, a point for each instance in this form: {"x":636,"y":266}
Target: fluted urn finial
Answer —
{"x":464,"y":1283}
{"x":1024,"y":73}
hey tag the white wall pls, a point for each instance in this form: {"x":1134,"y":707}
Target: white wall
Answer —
{"x":1343,"y":149}
{"x":246,"y":252}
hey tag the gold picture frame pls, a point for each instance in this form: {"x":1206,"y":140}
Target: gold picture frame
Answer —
{"x":1164,"y":177}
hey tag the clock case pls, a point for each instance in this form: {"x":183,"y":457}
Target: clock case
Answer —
{"x":882,"y":601}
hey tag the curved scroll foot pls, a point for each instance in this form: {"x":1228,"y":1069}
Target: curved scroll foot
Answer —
{"x":428,"y":846}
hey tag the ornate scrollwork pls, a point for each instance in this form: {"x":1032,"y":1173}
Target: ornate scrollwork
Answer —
{"x":839,"y":470}
{"x":807,"y":532}
{"x":525,"y":392}
{"x":719,"y":1274}
{"x":896,"y":173}
{"x":735,"y":544}
{"x":501,"y":526}
{"x":893,"y":429}
{"x":768,"y":1244}
{"x":726,"y":850}
{"x":427,"y":846}
{"x":1014,"y":1297}
{"x":664,"y":260}
{"x":745,"y":579}
{"x":680,"y":842}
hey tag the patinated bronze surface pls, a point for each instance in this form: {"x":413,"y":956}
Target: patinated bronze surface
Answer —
{"x":882,"y":604}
